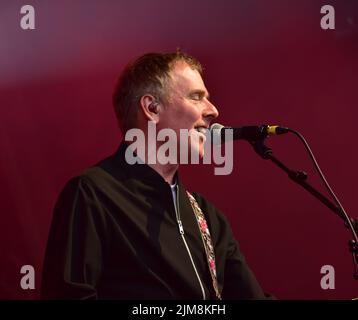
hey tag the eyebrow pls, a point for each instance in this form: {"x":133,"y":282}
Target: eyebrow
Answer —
{"x":201,"y":92}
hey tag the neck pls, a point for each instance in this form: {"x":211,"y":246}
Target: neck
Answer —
{"x":166,"y":171}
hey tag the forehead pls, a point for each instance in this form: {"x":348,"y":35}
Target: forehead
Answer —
{"x":184,"y":78}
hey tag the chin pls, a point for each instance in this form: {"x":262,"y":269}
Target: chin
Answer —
{"x":196,"y":149}
{"x":195,"y":152}
{"x":201,"y":152}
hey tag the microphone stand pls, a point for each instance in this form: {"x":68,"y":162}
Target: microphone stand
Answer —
{"x":300,"y":178}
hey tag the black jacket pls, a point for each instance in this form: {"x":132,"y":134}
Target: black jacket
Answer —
{"x":114,"y":235}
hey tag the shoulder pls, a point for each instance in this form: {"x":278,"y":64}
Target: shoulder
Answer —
{"x":91,"y":179}
{"x":82,"y":187}
{"x":82,"y":181}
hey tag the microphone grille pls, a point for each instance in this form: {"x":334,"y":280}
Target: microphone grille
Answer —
{"x":216,"y":126}
{"x":215,"y":131}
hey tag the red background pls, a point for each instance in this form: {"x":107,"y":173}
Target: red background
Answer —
{"x":265,"y":61}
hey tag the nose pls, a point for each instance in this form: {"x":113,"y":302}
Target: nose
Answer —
{"x":210,"y":111}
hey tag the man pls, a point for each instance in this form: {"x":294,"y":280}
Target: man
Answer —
{"x":132,"y":231}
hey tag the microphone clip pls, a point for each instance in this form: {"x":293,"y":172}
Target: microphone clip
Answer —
{"x":261,"y":149}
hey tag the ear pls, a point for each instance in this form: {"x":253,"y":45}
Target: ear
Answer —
{"x":150,"y":107}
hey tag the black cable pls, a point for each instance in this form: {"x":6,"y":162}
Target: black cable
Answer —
{"x":338,"y":203}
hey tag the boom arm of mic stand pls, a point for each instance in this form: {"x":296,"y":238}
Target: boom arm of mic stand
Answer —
{"x":300,"y":178}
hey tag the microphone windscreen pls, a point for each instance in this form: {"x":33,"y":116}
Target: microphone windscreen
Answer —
{"x":216,"y":133}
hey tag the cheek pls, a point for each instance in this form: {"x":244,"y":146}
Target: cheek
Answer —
{"x":184,"y":115}
{"x":191,"y":114}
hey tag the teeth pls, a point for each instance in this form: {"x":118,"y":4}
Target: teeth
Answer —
{"x":201,"y":129}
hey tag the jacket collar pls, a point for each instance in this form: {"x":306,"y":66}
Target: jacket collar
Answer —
{"x":139,"y":171}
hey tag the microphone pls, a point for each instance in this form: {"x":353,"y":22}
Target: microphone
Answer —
{"x":249,"y":133}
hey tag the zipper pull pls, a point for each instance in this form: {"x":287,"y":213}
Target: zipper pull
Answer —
{"x":180,"y":225}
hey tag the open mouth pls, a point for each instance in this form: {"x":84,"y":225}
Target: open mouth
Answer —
{"x":201,"y":129}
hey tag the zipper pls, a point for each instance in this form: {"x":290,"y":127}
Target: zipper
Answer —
{"x":181,"y":231}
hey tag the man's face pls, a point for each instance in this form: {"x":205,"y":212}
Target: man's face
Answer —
{"x":187,"y":106}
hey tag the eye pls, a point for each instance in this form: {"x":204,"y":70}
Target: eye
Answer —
{"x":196,"y":96}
